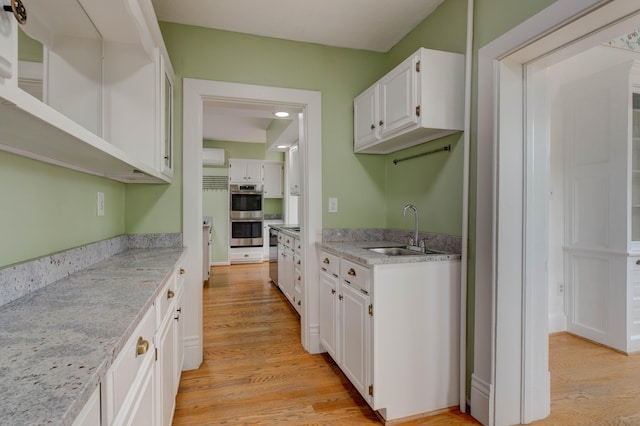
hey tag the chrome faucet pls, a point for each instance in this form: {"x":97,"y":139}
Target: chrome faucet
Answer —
{"x":413,"y":242}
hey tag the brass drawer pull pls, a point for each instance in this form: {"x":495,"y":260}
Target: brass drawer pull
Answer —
{"x":298,"y":261}
{"x":299,"y":304}
{"x":142,"y":346}
{"x":181,"y":271}
{"x":333,"y":291}
{"x":352,"y":272}
{"x":637,"y":262}
{"x":170,"y":294}
{"x":326,"y":261}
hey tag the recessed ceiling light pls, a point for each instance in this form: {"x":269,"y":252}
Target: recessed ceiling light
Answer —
{"x":282,"y":114}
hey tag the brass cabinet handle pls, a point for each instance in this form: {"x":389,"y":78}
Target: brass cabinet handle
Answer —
{"x":142,"y":346}
{"x":340,"y":296}
{"x":326,"y":261}
{"x":181,"y":271}
{"x":299,"y":278}
{"x":381,"y":123}
{"x":373,"y":126}
{"x":298,"y":261}
{"x":352,"y":272}
{"x":170,"y":294}
{"x":333,"y":291}
{"x":637,"y":262}
{"x":299,"y":303}
{"x":19,"y":11}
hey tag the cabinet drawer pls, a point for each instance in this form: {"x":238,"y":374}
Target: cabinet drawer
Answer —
{"x":355,"y":275}
{"x":297,"y":260}
{"x":633,"y":263}
{"x":166,"y":297}
{"x":122,"y":375}
{"x":297,"y":245}
{"x":287,"y":240}
{"x":330,"y":263}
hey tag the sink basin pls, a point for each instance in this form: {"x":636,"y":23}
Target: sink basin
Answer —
{"x":400,"y":251}
{"x":394,"y":251}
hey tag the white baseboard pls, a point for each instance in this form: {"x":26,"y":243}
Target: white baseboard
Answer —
{"x":193,"y":353}
{"x":481,"y":400}
{"x":557,"y":323}
{"x":227,"y":263}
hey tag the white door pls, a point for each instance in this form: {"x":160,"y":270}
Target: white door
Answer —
{"x":365,"y":117}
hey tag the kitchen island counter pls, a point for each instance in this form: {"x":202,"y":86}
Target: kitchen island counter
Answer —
{"x":59,"y":341}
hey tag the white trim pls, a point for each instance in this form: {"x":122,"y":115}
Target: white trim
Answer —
{"x":465,"y":208}
{"x":481,"y":394}
{"x":227,"y":263}
{"x":195,"y":92}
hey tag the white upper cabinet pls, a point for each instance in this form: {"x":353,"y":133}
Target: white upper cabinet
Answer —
{"x":103,"y":84}
{"x":419,"y":100}
{"x":273,"y":179}
{"x":245,"y":171}
{"x":294,"y":170}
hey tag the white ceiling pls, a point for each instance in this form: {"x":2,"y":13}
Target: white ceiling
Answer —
{"x":375,"y":25}
{"x":359,"y":24}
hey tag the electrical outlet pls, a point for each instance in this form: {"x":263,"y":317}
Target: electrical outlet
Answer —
{"x":100,"y":204}
{"x":333,"y":205}
{"x":560,"y":288}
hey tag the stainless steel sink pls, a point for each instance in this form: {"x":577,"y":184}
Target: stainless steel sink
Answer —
{"x":400,"y":251}
{"x":394,"y":251}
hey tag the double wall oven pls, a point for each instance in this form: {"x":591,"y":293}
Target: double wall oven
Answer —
{"x":245,"y":215}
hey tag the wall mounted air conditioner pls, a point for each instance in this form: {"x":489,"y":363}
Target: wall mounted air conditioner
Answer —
{"x":213,"y":157}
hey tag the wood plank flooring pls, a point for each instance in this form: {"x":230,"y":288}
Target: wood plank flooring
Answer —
{"x":256,"y":372}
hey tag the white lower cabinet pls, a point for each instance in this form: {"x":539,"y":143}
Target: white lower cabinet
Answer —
{"x":90,"y":413}
{"x":393,"y":329}
{"x":141,"y":385}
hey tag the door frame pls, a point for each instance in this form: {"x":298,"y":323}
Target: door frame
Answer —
{"x":510,"y":380}
{"x":195,"y":92}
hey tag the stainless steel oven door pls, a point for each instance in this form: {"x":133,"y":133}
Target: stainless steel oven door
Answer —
{"x":245,"y":202}
{"x":245,"y":233}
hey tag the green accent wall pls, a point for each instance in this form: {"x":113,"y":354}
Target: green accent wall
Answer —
{"x":28,"y":48}
{"x":46,"y":209}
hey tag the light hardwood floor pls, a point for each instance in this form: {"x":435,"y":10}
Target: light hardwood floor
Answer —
{"x":256,"y":372}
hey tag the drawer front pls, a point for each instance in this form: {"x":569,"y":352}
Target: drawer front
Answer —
{"x":297,"y":260}
{"x":355,"y":275}
{"x":330,"y":263}
{"x":125,"y":369}
{"x":297,"y":245}
{"x":166,"y":297}
{"x":287,"y":240}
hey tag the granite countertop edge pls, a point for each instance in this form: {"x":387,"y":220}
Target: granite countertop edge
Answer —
{"x":59,"y":341}
{"x":357,"y":251}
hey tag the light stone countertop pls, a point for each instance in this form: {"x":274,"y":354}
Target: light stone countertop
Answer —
{"x":58,"y":342}
{"x":357,"y":251}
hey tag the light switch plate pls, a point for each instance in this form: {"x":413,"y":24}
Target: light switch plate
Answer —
{"x":100,"y":204}
{"x":333,"y":205}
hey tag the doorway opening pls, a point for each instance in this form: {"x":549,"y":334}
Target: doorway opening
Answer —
{"x":195,"y":93}
{"x":510,"y":383}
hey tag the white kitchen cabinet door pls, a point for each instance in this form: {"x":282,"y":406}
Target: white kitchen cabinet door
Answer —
{"x":144,"y":409}
{"x":354,"y":336}
{"x":179,"y":340}
{"x":365,"y":117}
{"x":166,"y":118}
{"x":294,"y":170}
{"x":8,"y":51}
{"x":245,"y":171}
{"x":165,"y":369}
{"x":329,"y":312}
{"x":273,"y":180}
{"x":287,"y":282}
{"x":398,"y":98}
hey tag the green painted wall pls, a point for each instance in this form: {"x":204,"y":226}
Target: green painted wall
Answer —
{"x":46,"y":209}
{"x":340,"y":74}
{"x":28,"y":48}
